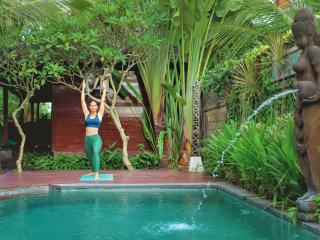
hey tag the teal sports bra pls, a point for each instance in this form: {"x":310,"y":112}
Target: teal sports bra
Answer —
{"x":95,"y":122}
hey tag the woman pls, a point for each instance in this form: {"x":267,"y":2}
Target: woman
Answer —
{"x":307,"y":112}
{"x":93,"y":118}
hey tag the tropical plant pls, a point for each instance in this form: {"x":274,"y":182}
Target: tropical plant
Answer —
{"x":145,"y":159}
{"x":218,"y":77}
{"x":19,"y":69}
{"x":13,"y":103}
{"x":24,"y":14}
{"x":277,"y":47}
{"x":250,"y":26}
{"x":118,"y":38}
{"x":293,"y":214}
{"x":269,"y":166}
{"x":185,"y":43}
{"x":110,"y":158}
{"x":153,"y":73}
{"x":201,"y":30}
{"x":246,"y":84}
{"x":174,"y":112}
{"x":20,"y":64}
{"x":85,"y":47}
{"x":318,"y":207}
{"x":253,"y":21}
{"x":16,"y":16}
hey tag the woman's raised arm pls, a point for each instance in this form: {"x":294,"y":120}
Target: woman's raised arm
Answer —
{"x":103,"y":99}
{"x":83,"y":101}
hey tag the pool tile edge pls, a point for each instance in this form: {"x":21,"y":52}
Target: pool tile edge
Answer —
{"x":265,"y":205}
{"x":21,"y":191}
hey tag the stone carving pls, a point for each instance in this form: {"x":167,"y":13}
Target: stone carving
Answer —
{"x":196,"y":134}
{"x":307,"y":107}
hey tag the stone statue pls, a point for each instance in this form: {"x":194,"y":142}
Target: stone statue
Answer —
{"x":307,"y":107}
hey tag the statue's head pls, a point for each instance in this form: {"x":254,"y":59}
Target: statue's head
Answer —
{"x":304,"y":29}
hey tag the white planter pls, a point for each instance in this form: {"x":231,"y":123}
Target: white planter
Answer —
{"x":195,"y":164}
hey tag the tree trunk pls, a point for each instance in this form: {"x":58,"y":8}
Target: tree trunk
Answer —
{"x":160,"y":118}
{"x":164,"y":162}
{"x":23,"y":136}
{"x":185,"y":151}
{"x":159,"y":124}
{"x":124,"y":137}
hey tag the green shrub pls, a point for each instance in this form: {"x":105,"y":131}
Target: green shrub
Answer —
{"x":213,"y":147}
{"x":318,"y":207}
{"x":145,"y":159}
{"x":293,"y":214}
{"x":263,"y":159}
{"x":110,"y":158}
{"x":38,"y":161}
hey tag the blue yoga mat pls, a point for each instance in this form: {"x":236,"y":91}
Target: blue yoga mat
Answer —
{"x":102,"y":177}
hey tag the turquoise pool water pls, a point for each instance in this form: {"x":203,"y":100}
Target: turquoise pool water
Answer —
{"x":140,"y":214}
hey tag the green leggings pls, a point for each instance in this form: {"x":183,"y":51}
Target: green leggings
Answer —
{"x":93,"y":145}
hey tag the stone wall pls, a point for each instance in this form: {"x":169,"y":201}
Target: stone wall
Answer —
{"x":213,"y":113}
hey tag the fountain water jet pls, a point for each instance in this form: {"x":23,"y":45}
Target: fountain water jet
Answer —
{"x":255,"y":112}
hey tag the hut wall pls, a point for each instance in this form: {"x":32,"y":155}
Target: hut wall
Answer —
{"x":68,"y":129}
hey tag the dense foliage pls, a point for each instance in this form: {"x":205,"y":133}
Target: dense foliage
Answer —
{"x":263,"y":159}
{"x":13,"y":103}
{"x":108,"y":36}
{"x":110,"y":158}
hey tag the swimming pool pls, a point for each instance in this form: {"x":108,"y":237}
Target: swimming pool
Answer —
{"x":141,"y":214}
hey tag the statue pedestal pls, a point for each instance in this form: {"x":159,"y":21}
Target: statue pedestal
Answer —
{"x":306,"y":211}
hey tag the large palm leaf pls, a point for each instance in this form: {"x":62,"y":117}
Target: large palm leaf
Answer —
{"x":153,"y":75}
{"x":253,"y":22}
{"x":23,"y":13}
{"x":246,"y":84}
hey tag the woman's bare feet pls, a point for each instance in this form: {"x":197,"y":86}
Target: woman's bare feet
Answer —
{"x":96,"y":176}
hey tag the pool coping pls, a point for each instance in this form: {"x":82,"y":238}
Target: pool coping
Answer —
{"x":235,"y":191}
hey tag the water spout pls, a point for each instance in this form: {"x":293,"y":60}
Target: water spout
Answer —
{"x":200,"y":203}
{"x":248,"y":120}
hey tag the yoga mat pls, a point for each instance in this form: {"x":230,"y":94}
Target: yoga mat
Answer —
{"x":102,"y":177}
